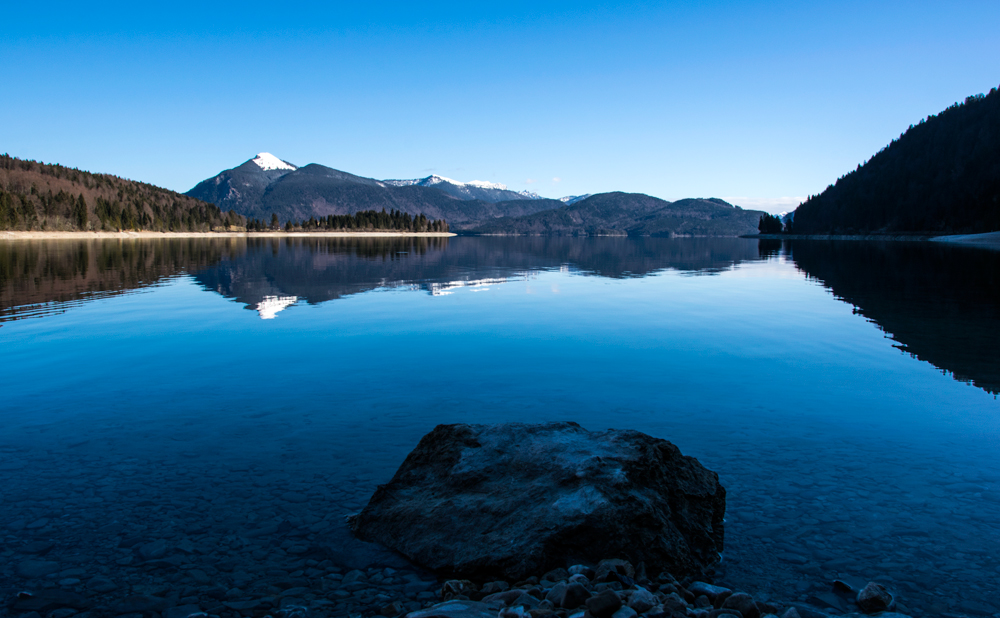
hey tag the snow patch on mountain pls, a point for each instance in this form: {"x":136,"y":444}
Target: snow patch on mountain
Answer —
{"x":432,"y":180}
{"x":572,"y":199}
{"x":267,"y":161}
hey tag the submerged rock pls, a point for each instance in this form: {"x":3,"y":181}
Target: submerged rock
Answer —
{"x":456,"y":609}
{"x":514,"y":499}
{"x":874,"y":598}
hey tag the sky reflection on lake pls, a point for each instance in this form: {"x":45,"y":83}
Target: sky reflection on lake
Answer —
{"x":845,"y":447}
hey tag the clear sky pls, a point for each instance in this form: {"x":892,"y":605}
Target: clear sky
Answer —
{"x":761,"y":103}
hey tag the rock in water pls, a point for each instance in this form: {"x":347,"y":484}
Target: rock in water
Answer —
{"x":505,"y":501}
{"x":874,"y":598}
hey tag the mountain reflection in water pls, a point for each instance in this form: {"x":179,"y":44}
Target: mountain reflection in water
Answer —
{"x":317,"y":270}
{"x":939,"y":303}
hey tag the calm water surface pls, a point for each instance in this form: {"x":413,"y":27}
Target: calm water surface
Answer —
{"x":235,"y":399}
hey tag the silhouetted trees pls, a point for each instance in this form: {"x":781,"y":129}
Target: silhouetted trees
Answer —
{"x":373,"y":220}
{"x":769,"y":224}
{"x":940,"y":176}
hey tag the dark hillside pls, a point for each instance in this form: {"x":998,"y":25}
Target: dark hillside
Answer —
{"x":239,"y":189}
{"x":940,"y":176}
{"x":40,"y":196}
{"x":633,"y":214}
{"x":319,"y":191}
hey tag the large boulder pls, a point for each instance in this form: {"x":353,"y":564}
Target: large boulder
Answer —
{"x":507,"y":501}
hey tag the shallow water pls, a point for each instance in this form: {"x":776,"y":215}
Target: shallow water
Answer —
{"x":237,"y":398}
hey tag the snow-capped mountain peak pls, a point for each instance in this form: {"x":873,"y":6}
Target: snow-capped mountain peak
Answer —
{"x":475,"y":189}
{"x":432,"y":180}
{"x":267,"y":161}
{"x":482,"y":184}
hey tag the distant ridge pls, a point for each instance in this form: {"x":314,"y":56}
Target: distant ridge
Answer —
{"x":473,"y":190}
{"x":267,"y":184}
{"x":632,"y":214}
{"x":941,"y":176}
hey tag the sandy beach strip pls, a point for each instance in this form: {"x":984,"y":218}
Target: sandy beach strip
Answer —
{"x":12,"y":235}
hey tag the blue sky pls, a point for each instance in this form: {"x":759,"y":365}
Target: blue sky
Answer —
{"x":750,"y":101}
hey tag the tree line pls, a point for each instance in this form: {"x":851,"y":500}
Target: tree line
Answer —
{"x":40,"y":196}
{"x":361,"y":221}
{"x":771,"y":224}
{"x":940,"y":176}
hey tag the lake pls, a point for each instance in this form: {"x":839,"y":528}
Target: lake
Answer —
{"x":192,"y":419}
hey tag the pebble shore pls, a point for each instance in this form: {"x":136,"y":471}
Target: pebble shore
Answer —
{"x":319,"y":589}
{"x":615,"y":589}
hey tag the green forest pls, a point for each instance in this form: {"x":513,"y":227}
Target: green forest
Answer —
{"x":41,"y":196}
{"x":940,"y":176}
{"x":366,"y":221}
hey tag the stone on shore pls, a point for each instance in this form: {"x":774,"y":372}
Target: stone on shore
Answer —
{"x":505,"y":501}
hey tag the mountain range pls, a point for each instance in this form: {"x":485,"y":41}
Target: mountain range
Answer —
{"x":266,"y":184}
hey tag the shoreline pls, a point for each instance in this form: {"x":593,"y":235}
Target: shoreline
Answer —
{"x":987,"y":240}
{"x":875,"y":237}
{"x":13,"y":235}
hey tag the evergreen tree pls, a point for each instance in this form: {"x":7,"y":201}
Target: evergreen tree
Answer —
{"x":80,"y":213}
{"x":769,"y":224}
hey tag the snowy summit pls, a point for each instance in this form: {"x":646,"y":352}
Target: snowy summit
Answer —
{"x":430,"y":181}
{"x":267,"y":161}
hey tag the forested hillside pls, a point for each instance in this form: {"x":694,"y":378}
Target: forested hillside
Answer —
{"x":41,"y":196}
{"x":632,"y":214}
{"x":940,"y":176}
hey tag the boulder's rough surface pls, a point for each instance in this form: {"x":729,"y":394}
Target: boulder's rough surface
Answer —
{"x":485,"y":501}
{"x":874,"y":598}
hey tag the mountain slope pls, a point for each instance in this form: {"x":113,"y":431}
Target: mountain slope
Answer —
{"x":242,"y":187}
{"x":474,"y":190}
{"x":632,"y":214}
{"x":297,"y":194}
{"x":257,"y":190}
{"x":40,"y":196}
{"x":316,"y":190}
{"x":941,"y":176}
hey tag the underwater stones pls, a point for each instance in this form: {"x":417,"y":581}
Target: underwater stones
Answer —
{"x":513,"y":499}
{"x":153,"y":550}
{"x":181,"y":611}
{"x":45,"y":600}
{"x":31,"y":569}
{"x":139,"y":603}
{"x":456,"y":609}
{"x":874,"y":598}
{"x":38,"y":548}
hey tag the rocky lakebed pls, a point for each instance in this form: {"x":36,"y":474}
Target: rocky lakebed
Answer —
{"x":507,"y":521}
